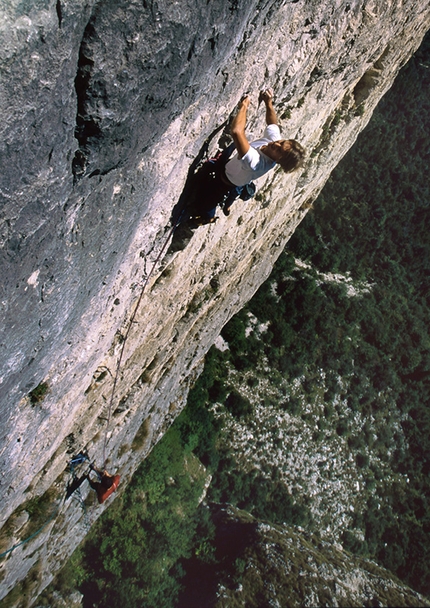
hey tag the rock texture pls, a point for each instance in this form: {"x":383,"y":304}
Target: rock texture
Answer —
{"x":104,"y":106}
{"x":266,"y":565}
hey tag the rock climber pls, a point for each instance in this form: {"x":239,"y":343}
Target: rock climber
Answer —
{"x":105,"y":485}
{"x":221,"y":180}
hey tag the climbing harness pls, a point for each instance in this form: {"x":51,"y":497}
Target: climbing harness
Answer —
{"x":105,"y":485}
{"x":213,"y":189}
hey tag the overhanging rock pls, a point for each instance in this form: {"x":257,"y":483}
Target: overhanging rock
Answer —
{"x":104,"y":106}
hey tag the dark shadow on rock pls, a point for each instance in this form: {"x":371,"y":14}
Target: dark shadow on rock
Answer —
{"x":182,"y":212}
{"x":74,"y":485}
{"x":181,"y":237}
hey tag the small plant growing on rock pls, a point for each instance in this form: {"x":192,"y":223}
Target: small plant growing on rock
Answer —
{"x":39,"y":393}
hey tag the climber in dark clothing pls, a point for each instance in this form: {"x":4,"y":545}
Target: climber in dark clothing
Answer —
{"x":209,"y":188}
{"x":221,"y":180}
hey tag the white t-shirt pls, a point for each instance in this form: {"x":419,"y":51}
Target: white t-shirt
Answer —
{"x":254,"y":164}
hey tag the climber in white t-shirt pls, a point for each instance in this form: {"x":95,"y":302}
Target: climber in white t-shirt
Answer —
{"x":220,"y":181}
{"x":257,"y":158}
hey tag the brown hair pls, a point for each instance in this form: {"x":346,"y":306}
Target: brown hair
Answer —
{"x":293,"y":158}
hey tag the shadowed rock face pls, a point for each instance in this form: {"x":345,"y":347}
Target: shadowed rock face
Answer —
{"x":104,"y":107}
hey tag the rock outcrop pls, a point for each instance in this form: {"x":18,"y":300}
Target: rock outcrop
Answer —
{"x":104,"y":107}
{"x":267,"y":565}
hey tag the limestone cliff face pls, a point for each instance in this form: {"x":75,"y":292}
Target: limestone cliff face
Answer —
{"x":104,"y":106}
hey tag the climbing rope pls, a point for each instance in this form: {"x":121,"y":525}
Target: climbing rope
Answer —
{"x":80,"y":458}
{"x":54,"y":514}
{"x":127,"y":333}
{"x":179,"y":215}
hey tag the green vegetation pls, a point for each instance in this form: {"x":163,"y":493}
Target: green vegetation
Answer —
{"x":200,"y":430}
{"x":22,"y":593}
{"x":39,"y":393}
{"x":142,"y":435}
{"x":371,"y":225}
{"x":40,"y":509}
{"x":131,"y":557}
{"x":237,"y":405}
{"x":372,"y":221}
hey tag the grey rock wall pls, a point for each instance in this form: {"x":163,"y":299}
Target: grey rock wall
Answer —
{"x":104,"y":106}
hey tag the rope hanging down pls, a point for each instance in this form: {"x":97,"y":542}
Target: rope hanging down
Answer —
{"x":81,"y":458}
{"x":74,"y":486}
{"x":176,"y":221}
{"x":127,"y":333}
{"x":54,"y":514}
{"x":73,"y":489}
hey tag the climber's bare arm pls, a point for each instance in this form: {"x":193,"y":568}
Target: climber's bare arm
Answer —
{"x":267,"y":97}
{"x":238,"y":128}
{"x":271,"y":118}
